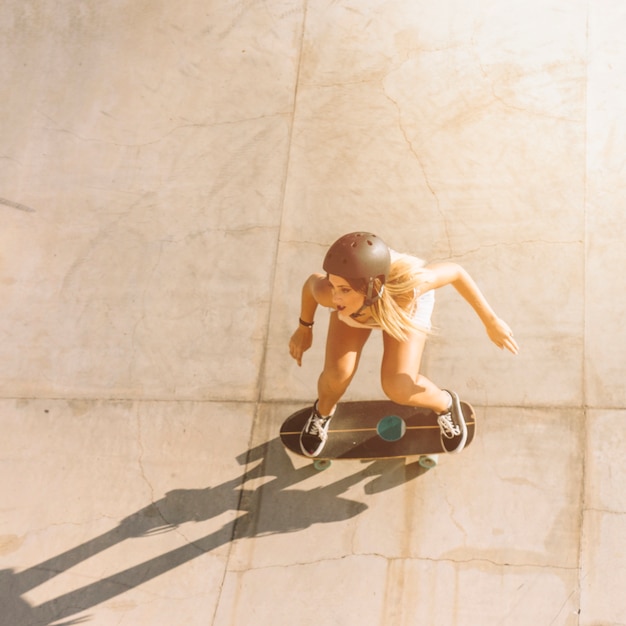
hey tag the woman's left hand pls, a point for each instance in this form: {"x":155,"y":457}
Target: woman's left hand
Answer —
{"x":501,"y":334}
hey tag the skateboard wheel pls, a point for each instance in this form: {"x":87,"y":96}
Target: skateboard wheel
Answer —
{"x":428,"y":461}
{"x":321,"y":464}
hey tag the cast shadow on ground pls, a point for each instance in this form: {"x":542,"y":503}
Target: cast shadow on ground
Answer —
{"x":291,"y":510}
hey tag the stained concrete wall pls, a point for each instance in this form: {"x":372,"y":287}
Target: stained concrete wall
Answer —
{"x":170,"y":175}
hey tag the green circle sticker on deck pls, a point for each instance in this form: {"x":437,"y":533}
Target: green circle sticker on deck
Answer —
{"x":391,"y":428}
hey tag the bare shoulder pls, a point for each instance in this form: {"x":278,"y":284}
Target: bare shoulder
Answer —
{"x":436,"y":275}
{"x":321,"y":290}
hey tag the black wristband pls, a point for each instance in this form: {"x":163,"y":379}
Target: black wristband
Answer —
{"x":307,"y":324}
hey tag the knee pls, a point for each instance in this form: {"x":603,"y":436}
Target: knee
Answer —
{"x":399,"y":388}
{"x":337,"y":378}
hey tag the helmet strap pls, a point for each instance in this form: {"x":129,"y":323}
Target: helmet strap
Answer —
{"x":369,"y":298}
{"x":359,"y":312}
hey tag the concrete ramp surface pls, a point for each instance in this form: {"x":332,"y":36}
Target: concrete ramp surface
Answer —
{"x":169,"y":177}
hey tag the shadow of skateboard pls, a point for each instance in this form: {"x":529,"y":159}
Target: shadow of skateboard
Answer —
{"x":376,"y":429}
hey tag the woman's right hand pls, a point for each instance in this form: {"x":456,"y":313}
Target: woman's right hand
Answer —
{"x":300,"y":342}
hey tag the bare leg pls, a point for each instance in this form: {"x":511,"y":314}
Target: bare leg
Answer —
{"x":401,"y":378}
{"x":343,"y":351}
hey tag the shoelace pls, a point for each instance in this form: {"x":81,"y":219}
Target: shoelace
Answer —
{"x":316,"y":427}
{"x":448,"y":427}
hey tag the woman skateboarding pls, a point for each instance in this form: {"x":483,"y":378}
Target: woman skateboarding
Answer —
{"x":369,"y":286}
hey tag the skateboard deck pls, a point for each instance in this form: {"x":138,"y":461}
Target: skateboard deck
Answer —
{"x":376,"y":429}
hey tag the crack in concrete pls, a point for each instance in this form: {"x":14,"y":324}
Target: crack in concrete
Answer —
{"x":603,"y":511}
{"x":168,"y":525}
{"x":165,"y":135}
{"x":565,"y":603}
{"x":506,"y":244}
{"x":396,"y":559}
{"x":421,"y":166}
{"x":16,"y":205}
{"x":142,"y":469}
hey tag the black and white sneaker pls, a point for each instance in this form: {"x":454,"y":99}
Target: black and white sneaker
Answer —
{"x":315,"y":433}
{"x":452,"y":425}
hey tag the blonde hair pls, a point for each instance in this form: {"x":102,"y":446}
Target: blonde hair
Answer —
{"x":394,"y":310}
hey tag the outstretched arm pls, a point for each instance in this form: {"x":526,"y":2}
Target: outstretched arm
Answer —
{"x":441,"y":274}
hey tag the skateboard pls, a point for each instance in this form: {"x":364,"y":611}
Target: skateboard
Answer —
{"x":376,"y":429}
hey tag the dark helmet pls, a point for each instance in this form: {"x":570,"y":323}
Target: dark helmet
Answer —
{"x":359,"y":256}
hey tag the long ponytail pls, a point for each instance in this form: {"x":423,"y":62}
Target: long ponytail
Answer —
{"x":394,"y":311}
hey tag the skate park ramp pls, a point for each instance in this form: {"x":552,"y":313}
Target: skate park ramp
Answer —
{"x":171,"y":174}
